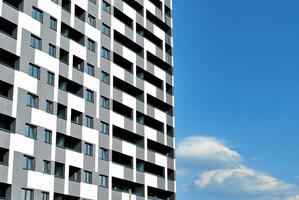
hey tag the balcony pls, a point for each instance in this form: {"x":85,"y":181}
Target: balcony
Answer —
{"x":128,"y":88}
{"x":158,"y":22}
{"x":76,"y":117}
{"x":80,"y":13}
{"x":9,"y":59}
{"x":6,"y":90}
{"x":150,"y":122}
{"x":150,"y":168}
{"x":58,"y":196}
{"x":135,"y":5}
{"x":72,"y":34}
{"x":7,"y":123}
{"x":8,"y":28}
{"x":74,"y":174}
{"x":128,"y":136}
{"x":160,"y":148}
{"x":68,"y":142}
{"x":150,"y":36}
{"x":17,"y":4}
{"x":159,"y":62}
{"x":122,"y":109}
{"x":127,"y":186}
{"x":70,"y":86}
{"x":161,"y":105}
{"x":4,"y":155}
{"x":123,"y":40}
{"x":123,"y":18}
{"x":122,"y":62}
{"x":78,"y":63}
{"x":157,"y":3}
{"x":142,"y":74}
{"x":158,"y":194}
{"x":122,"y":159}
{"x":5,"y":191}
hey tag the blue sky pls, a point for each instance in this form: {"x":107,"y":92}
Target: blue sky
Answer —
{"x":237,"y":94}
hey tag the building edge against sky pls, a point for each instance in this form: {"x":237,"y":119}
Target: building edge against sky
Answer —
{"x":86,"y":100}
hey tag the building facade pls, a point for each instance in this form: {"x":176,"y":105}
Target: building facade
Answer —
{"x":86,"y":100}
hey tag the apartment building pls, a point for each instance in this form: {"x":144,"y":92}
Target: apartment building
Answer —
{"x":86,"y":100}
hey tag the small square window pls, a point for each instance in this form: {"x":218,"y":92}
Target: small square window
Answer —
{"x":106,"y":7}
{"x":52,"y":50}
{"x":53,"y":23}
{"x":35,"y":42}
{"x":104,"y":127}
{"x":50,"y":78}
{"x":34,"y":71}
{"x":47,"y":167}
{"x":105,"y":53}
{"x":88,"y":121}
{"x":31,"y":131}
{"x":49,"y":107}
{"x":91,"y":45}
{"x":88,"y":149}
{"x":104,"y":102}
{"x":89,"y":95}
{"x":87,"y":177}
{"x":32,"y":100}
{"x":48,"y":137}
{"x":104,"y":154}
{"x":105,"y":77}
{"x":90,"y":69}
{"x":103,"y":181}
{"x":91,"y":20}
{"x":28,"y":163}
{"x":106,"y":30}
{"x":37,"y":14}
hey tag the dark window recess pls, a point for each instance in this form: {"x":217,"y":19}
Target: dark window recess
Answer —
{"x":64,"y":56}
{"x":122,"y":62}
{"x":122,"y":159}
{"x":150,"y":168}
{"x":160,"y":148}
{"x":169,"y":89}
{"x":128,"y":88}
{"x":127,"y":186}
{"x":123,"y":18}
{"x":70,"y":86}
{"x":79,"y":13}
{"x":150,"y":36}
{"x":68,"y":142}
{"x":74,"y":174}
{"x":76,"y":117}
{"x":18,"y":4}
{"x":8,"y":28}
{"x":141,"y":73}
{"x":135,"y":5}
{"x":159,"y":62}
{"x":151,"y":17}
{"x":58,"y":196}
{"x":167,"y":11}
{"x":5,"y":191}
{"x":154,"y":193}
{"x":150,"y":122}
{"x":128,"y":136}
{"x":170,"y":131}
{"x":78,"y":63}
{"x":72,"y":34}
{"x":161,"y":105}
{"x":66,"y":5}
{"x":6,"y":90}
{"x":59,"y":170}
{"x":157,"y":3}
{"x":168,"y":49}
{"x":7,"y":123}
{"x":9,"y":59}
{"x":4,"y":155}
{"x":122,"y":109}
{"x":61,"y":111}
{"x":123,"y":40}
{"x":171,"y":174}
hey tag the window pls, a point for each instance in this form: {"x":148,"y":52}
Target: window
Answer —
{"x":64,"y":56}
{"x":35,"y":42}
{"x":52,"y":50}
{"x":89,"y":95}
{"x":66,"y":5}
{"x":48,"y":137}
{"x":93,"y":1}
{"x":53,"y":23}
{"x":49,"y":107}
{"x":59,"y":170}
{"x":103,"y":181}
{"x":104,"y":127}
{"x":105,"y":53}
{"x":28,"y":163}
{"x":104,"y":102}
{"x":87,"y":177}
{"x":47,"y":167}
{"x":32,"y":100}
{"x":106,"y":7}
{"x":91,"y":45}
{"x":37,"y":14}
{"x":88,"y":149}
{"x":106,"y":29}
{"x":45,"y":196}
{"x":31,"y":131}
{"x":50,"y":78}
{"x":104,"y":154}
{"x":55,"y":1}
{"x":88,"y":121}
{"x":61,"y":111}
{"x":90,"y":69}
{"x":34,"y":71}
{"x":27,"y":194}
{"x":91,"y":20}
{"x":105,"y":77}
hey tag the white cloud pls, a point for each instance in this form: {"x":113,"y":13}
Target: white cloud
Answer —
{"x":293,"y":198}
{"x":207,"y":152}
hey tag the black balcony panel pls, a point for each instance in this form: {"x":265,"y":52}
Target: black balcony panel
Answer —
{"x":18,"y":4}
{"x":122,"y":159}
{"x":150,"y":122}
{"x":123,"y":40}
{"x":70,"y":86}
{"x":122,"y":62}
{"x":128,"y":136}
{"x":6,"y":90}
{"x":160,"y":148}
{"x":141,"y":73}
{"x":158,"y":22}
{"x":135,"y":5}
{"x":159,"y":62}
{"x":155,"y":193}
{"x":7,"y":123}
{"x":123,"y":18}
{"x":127,"y":186}
{"x":122,"y":109}
{"x":8,"y":27}
{"x":149,"y":35}
{"x":9,"y":59}
{"x":72,"y":34}
{"x":128,"y":88}
{"x":161,"y":105}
